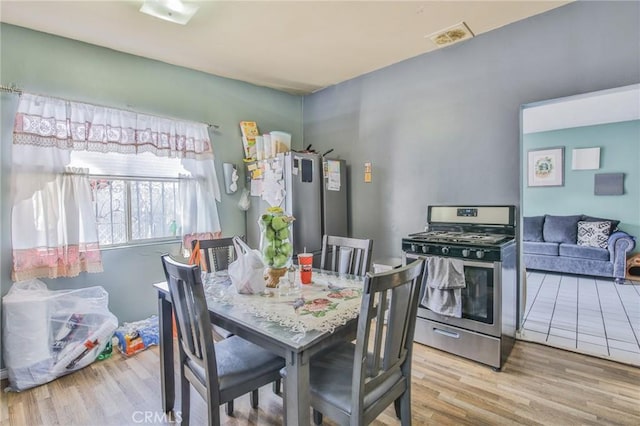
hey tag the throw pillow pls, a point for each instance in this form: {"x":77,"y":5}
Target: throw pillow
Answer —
{"x":614,"y":223}
{"x":594,"y":234}
{"x":560,"y":229}
{"x":532,"y":228}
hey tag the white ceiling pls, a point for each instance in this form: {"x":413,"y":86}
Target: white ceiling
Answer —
{"x":295,"y":46}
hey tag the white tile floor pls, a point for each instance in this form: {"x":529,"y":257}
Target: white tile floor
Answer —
{"x":583,"y":314}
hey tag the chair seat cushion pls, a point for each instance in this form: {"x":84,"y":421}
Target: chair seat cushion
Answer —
{"x":221,"y":333}
{"x":240,"y":361}
{"x":330,"y":378}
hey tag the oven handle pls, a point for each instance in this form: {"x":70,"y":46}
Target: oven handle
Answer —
{"x":465,"y":262}
{"x":446,"y":333}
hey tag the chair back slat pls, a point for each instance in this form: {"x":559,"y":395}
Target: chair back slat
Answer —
{"x":389,"y":351}
{"x":356,"y":265}
{"x":378,"y":340}
{"x":361,"y":364}
{"x":191,"y":312}
{"x":185,"y":312}
{"x":396,"y":332}
{"x":334,"y":255}
{"x":346,"y":255}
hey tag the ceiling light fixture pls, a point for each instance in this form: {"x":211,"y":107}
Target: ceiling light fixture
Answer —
{"x":169,"y":10}
{"x":451,"y":35}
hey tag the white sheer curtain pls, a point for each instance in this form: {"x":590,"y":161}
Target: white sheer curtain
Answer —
{"x":53,"y":230}
{"x":198,"y":196}
{"x":196,"y":204}
{"x":53,"y":226}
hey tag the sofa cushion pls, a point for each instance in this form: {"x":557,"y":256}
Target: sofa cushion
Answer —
{"x":584,"y":252}
{"x":561,"y":229}
{"x":532,"y":228}
{"x":534,"y":247}
{"x":614,"y":223}
{"x":594,"y":234}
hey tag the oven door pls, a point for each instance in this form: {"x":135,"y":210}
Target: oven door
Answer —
{"x":480,"y":298}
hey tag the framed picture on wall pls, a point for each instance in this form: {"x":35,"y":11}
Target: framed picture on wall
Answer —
{"x":545,"y":167}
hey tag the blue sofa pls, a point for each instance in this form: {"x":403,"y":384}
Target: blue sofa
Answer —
{"x":577,"y":244}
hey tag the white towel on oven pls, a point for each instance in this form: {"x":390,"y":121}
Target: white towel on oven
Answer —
{"x":445,"y":281}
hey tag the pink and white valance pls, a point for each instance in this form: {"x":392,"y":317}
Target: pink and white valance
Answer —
{"x":56,"y":123}
{"x":54,"y":232}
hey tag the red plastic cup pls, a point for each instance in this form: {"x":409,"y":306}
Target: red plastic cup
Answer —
{"x":305,"y":260}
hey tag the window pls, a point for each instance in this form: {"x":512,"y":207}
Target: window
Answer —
{"x":130,"y":211}
{"x":75,"y":163}
{"x":135,"y":197}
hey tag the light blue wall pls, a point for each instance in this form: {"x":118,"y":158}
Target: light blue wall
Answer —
{"x":443,"y":128}
{"x":619,"y":152}
{"x":55,"y":66}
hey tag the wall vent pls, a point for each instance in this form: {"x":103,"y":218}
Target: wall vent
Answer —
{"x":451,"y":35}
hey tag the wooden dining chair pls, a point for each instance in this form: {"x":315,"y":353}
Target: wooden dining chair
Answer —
{"x":346,"y":255}
{"x":352,"y":383}
{"x":221,"y":371}
{"x":218,"y":253}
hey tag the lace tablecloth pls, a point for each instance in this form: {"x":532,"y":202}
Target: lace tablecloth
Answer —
{"x":329,"y":302}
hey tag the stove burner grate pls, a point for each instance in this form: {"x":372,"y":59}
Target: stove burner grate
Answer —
{"x":459,"y":237}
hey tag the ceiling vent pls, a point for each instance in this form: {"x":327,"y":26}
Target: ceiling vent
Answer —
{"x":451,"y":35}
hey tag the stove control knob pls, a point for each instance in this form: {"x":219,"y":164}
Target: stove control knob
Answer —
{"x":425,"y":249}
{"x":445,"y":250}
{"x":480,"y":254}
{"x":466,"y":252}
{"x":414,"y":248}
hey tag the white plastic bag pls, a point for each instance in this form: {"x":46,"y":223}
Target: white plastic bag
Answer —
{"x":244,"y":203}
{"x":247,"y":271}
{"x":48,"y":334}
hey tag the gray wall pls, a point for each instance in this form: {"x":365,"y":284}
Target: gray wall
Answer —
{"x":55,"y":66}
{"x":444,"y":127}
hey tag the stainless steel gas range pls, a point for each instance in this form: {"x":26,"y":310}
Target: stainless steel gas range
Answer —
{"x":482,"y":238}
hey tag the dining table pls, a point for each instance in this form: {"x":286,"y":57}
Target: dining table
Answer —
{"x":292,"y":322}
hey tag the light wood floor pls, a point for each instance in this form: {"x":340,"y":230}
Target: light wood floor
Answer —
{"x":538,"y":385}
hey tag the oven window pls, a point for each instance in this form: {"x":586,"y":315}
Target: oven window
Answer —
{"x":477,"y":297}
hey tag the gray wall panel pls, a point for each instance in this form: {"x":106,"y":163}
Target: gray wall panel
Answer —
{"x":444,"y":127}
